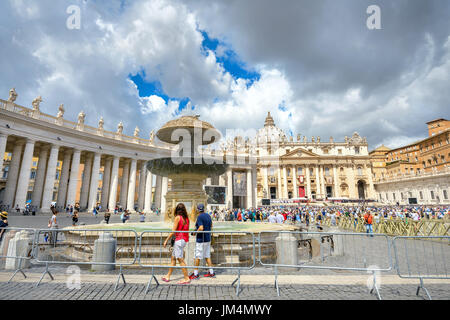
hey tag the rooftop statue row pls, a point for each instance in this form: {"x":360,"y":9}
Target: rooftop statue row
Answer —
{"x":80,"y":125}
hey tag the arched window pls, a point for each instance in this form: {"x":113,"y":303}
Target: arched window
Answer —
{"x":360,"y":172}
{"x":327,"y":171}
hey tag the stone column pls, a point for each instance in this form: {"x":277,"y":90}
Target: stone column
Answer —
{"x":317,"y":182}
{"x":158,"y":192}
{"x":94,"y":182}
{"x":148,"y":192}
{"x":336,"y":184}
{"x":142,"y":185}
{"x":132,"y":185}
{"x":285,"y":183}
{"x":62,"y":190}
{"x":106,"y":183}
{"x":124,"y":185}
{"x":352,"y":190}
{"x":73,"y":179}
{"x":3,"y":140}
{"x":287,"y":250}
{"x":222,"y":180}
{"x":255,"y":186}
{"x":49,"y":183}
{"x":164,"y":186}
{"x":114,"y":183}
{"x":40,"y":176}
{"x":24,"y":175}
{"x":105,"y":248}
{"x":229,"y":194}
{"x":279,"y":189}
{"x":86,"y":181}
{"x":294,"y":177}
{"x":308,"y":182}
{"x":249,"y":188}
{"x":371,"y":189}
{"x":266,"y":182}
{"x":322,"y":182}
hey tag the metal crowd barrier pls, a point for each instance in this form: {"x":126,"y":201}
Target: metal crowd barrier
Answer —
{"x":229,"y":250}
{"x":422,"y":257}
{"x":325,"y":250}
{"x":103,"y":249}
{"x":16,"y":249}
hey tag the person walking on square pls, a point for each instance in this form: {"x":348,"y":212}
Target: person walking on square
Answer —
{"x":107,"y":216}
{"x":181,"y":223}
{"x":368,"y":223}
{"x":53,"y":224}
{"x":203,"y":242}
{"x":75,"y":218}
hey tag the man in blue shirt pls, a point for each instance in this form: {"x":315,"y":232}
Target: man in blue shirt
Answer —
{"x":203,"y":242}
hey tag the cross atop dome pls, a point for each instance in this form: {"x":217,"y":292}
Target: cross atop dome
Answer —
{"x":269,"y":121}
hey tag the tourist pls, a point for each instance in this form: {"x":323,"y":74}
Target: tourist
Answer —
{"x":280,"y":218}
{"x":75,"y":218}
{"x":368,"y":223}
{"x":319,"y":221}
{"x":141,"y":216}
{"x":125,"y":216}
{"x":203,"y":242}
{"x":53,"y":224}
{"x":272,"y":218}
{"x":333,"y":218}
{"x":3,"y":223}
{"x":107,"y":216}
{"x":181,"y":223}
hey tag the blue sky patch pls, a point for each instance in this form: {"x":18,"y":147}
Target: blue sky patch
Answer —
{"x":146,"y":89}
{"x":230,"y":60}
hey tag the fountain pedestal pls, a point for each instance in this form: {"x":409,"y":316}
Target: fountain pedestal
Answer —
{"x":188,"y":189}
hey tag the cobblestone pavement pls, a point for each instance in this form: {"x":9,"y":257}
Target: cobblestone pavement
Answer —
{"x":316,"y":284}
{"x":105,"y":291}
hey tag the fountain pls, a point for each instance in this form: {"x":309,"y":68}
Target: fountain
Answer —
{"x":187,"y":169}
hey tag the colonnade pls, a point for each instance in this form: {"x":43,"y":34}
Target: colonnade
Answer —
{"x":79,"y":180}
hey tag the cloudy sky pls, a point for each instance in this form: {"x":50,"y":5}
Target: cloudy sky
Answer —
{"x":314,"y":64}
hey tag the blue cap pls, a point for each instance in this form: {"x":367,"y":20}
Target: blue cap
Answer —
{"x":201,"y":207}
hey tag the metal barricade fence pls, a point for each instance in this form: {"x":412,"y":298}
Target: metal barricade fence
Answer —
{"x":326,"y":250}
{"x":422,"y":257}
{"x":228,"y":251}
{"x":102,"y":249}
{"x":16,"y":249}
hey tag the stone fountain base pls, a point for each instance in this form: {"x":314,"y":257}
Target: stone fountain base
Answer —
{"x":187,"y":188}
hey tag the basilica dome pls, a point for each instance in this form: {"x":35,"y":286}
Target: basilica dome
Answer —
{"x":270,"y":132}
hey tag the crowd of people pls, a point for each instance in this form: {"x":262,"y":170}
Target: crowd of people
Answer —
{"x":306,"y":214}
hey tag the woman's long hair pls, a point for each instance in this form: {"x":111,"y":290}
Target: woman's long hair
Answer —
{"x":181,"y":210}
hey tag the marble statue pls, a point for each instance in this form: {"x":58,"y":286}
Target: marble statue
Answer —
{"x":12,"y":95}
{"x":60,"y":111}
{"x":299,"y":137}
{"x":101,"y":122}
{"x":81,"y":117}
{"x":36,"y":102}
{"x":136,"y":132}
{"x":152,"y":135}
{"x":120,"y":128}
